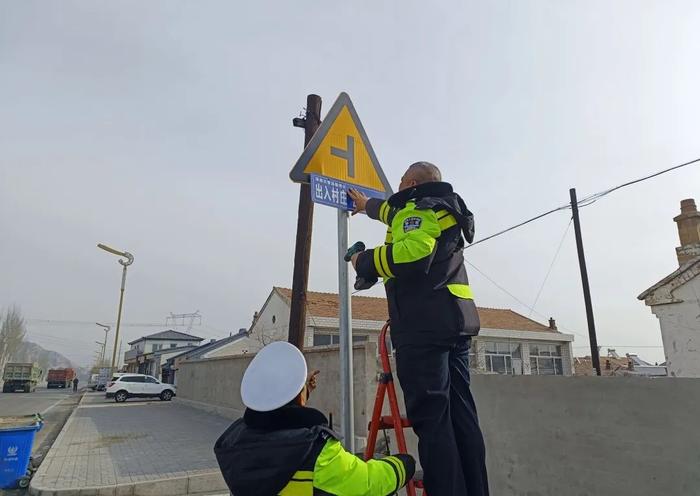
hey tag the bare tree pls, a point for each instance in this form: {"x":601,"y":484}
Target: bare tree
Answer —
{"x":12,"y":331}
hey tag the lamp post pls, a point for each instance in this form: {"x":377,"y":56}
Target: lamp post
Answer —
{"x":125,"y":260}
{"x":101,"y":354}
{"x":104,"y":350}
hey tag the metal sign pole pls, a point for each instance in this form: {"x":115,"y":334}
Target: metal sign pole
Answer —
{"x":345,"y":314}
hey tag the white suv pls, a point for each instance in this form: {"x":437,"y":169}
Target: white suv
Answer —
{"x":138,"y":386}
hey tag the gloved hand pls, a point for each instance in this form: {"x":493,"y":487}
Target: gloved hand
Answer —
{"x":362,"y":283}
{"x":409,"y":464}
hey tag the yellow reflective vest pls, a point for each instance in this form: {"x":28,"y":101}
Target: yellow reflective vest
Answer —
{"x":422,"y":263}
{"x":290,"y":452}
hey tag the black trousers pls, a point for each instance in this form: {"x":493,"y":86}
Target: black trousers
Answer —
{"x":440,"y":406}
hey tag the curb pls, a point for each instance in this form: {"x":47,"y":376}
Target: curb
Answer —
{"x":59,"y":437}
{"x":198,"y":484}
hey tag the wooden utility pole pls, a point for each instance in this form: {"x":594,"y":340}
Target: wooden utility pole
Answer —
{"x":302,"y":253}
{"x":595,"y":356}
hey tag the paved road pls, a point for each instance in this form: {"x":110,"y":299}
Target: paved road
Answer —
{"x":163,"y":447}
{"x":27,"y":403}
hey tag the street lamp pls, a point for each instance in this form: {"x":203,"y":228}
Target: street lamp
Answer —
{"x":125,"y":263}
{"x":100,"y":358}
{"x":104,"y":350}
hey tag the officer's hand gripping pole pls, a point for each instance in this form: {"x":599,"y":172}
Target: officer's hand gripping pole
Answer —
{"x":360,"y":282}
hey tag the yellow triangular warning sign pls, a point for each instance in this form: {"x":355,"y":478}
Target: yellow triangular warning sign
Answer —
{"x":340,"y":149}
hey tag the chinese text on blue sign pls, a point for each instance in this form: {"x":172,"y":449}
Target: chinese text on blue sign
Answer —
{"x":334,"y":193}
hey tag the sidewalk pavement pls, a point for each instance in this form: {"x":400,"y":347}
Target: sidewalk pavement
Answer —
{"x":136,"y":448}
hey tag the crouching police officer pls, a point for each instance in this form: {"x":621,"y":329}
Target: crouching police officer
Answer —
{"x":433,"y":318}
{"x":282,"y":447}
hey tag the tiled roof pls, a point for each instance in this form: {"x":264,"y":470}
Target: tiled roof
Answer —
{"x":370,"y":308}
{"x":211,"y":346}
{"x":691,"y":266}
{"x":608,"y":366}
{"x":170,"y":335}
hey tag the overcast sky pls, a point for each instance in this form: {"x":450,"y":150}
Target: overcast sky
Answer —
{"x":164,"y":128}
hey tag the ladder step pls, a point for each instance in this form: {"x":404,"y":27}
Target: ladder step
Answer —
{"x":387,"y":422}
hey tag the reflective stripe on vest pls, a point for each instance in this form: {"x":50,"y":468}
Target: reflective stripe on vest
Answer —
{"x":445,"y":219}
{"x":302,"y":484}
{"x":463,"y":291}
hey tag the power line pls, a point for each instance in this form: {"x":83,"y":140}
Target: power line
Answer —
{"x":597,"y":196}
{"x":58,"y":322}
{"x":585,"y":202}
{"x":563,"y":207}
{"x":551,"y":265}
{"x":518,"y":299}
{"x":86,"y":322}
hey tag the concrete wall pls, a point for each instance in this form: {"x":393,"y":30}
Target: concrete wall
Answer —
{"x":680,"y":330}
{"x":545,"y":436}
{"x":214,"y":383}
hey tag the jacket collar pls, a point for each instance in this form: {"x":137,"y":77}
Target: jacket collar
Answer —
{"x":436,"y":189}
{"x":287,"y":417}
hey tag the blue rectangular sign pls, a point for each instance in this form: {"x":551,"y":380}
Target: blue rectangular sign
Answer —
{"x":334,"y":193}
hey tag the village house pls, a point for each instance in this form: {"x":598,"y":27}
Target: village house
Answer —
{"x":509,"y":343}
{"x":674,"y":299}
{"x":235,"y":344}
{"x":615,"y":365}
{"x":149,"y":353}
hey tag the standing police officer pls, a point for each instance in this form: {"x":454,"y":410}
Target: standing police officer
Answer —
{"x":433,"y":318}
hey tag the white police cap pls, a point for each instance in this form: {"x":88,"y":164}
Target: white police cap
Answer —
{"x":275,"y":376}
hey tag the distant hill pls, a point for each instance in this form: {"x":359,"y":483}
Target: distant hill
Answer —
{"x":47,"y":359}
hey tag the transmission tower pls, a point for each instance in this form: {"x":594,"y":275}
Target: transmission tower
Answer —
{"x":184,"y":319}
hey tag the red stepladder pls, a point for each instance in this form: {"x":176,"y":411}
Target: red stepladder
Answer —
{"x":395,"y":421}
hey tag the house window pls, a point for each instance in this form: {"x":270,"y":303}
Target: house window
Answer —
{"x":274,"y":319}
{"x":133,"y":378}
{"x":173,"y":345}
{"x":322,"y":339}
{"x":499,"y":356}
{"x":157,"y":347}
{"x":545,"y":359}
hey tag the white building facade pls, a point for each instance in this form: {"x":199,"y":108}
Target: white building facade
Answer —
{"x":674,"y":299}
{"x":148,"y":353}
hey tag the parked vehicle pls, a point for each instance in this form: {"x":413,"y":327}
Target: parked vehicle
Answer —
{"x":20,"y":377}
{"x":60,"y":378}
{"x":103,"y":380}
{"x":138,"y":386}
{"x":104,"y":377}
{"x":92,"y":383}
